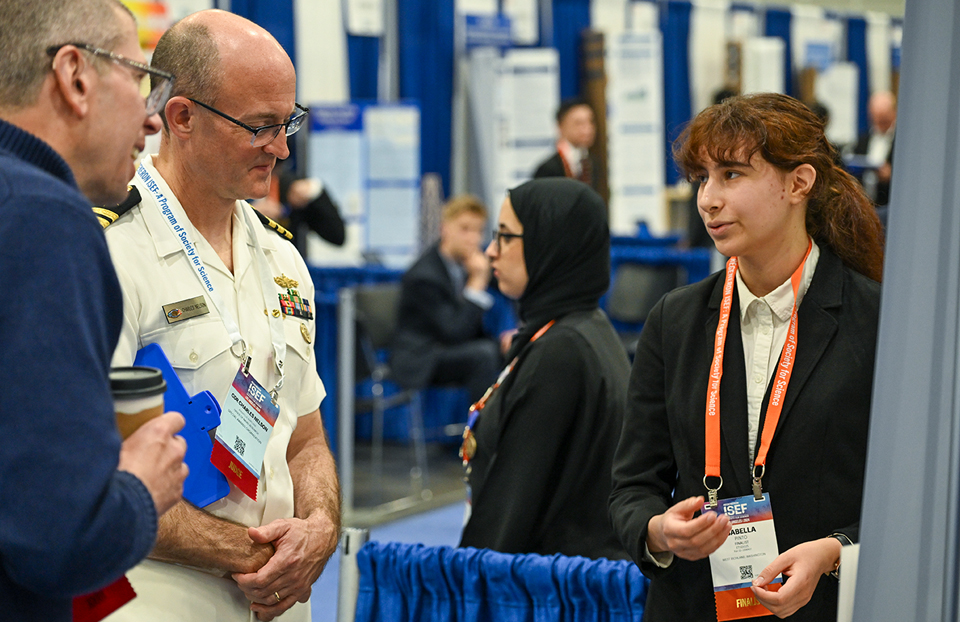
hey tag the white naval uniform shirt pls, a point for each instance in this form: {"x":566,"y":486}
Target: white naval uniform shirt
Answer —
{"x":154,"y":271}
{"x":764,"y":323}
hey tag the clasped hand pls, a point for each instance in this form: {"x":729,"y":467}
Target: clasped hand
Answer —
{"x":302,"y":550}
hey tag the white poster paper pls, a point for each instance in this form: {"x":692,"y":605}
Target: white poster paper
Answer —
{"x":635,"y":132}
{"x":878,"y":51}
{"x":708,"y":51}
{"x":837,"y":89}
{"x":524,"y":20}
{"x":608,"y":16}
{"x":365,"y":17}
{"x":762,"y":65}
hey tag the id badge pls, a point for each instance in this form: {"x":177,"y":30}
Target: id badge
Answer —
{"x":750,"y":547}
{"x":247,"y":420}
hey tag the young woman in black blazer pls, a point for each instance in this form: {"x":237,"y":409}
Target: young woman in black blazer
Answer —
{"x":771,"y":196}
{"x":540,"y":448}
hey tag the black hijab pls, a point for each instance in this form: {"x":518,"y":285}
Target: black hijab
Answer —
{"x":566,"y":247}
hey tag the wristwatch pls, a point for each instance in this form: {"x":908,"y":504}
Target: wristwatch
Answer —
{"x":844,"y":540}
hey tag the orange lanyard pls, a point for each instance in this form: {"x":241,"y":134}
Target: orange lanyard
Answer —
{"x":777,"y":393}
{"x":469,"y":446}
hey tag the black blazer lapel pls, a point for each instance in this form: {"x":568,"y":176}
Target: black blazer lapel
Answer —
{"x":733,"y":394}
{"x":816,"y":328}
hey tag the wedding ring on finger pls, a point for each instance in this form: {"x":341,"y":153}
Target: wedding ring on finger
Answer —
{"x":277,"y":594}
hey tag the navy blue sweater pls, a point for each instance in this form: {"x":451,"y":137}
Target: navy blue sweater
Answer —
{"x":70,"y":523}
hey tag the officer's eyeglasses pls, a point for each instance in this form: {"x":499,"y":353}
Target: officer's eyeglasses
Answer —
{"x":156,"y":84}
{"x":265,"y":134}
{"x":498,"y":235}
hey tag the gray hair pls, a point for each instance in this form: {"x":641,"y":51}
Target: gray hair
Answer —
{"x":188,"y":51}
{"x":30,"y":27}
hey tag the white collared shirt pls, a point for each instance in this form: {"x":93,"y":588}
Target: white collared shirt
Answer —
{"x":764,"y":323}
{"x":572,"y":155}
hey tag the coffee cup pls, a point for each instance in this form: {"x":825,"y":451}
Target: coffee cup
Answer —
{"x":137,"y":396}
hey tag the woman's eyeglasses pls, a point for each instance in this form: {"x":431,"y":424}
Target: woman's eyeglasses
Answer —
{"x":498,"y":235}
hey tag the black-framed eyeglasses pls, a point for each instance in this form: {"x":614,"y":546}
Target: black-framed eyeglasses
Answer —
{"x":265,"y":134}
{"x":498,"y":235}
{"x":155,"y":83}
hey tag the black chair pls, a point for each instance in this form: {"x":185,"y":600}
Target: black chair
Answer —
{"x":376,"y":320}
{"x":636,"y":289}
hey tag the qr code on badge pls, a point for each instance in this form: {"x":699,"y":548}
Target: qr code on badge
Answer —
{"x":746,"y":572}
{"x":239,"y":446}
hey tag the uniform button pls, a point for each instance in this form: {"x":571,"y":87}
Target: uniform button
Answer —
{"x":194,"y":357}
{"x":757,"y":378}
{"x":765,"y":330}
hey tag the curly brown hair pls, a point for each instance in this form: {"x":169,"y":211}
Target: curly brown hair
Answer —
{"x":786,"y":133}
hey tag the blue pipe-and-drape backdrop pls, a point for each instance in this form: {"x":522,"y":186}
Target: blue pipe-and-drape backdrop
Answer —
{"x":410,"y":582}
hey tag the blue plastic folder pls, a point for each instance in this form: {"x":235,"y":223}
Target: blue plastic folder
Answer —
{"x":205,"y":484}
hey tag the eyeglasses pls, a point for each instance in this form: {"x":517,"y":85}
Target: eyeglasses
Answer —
{"x":156,"y":83}
{"x":265,"y":134}
{"x":498,"y":235}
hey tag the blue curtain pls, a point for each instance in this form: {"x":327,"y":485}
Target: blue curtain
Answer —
{"x":857,"y":53}
{"x":570,"y":19}
{"x":778,"y":25}
{"x":363,"y":57}
{"x":426,"y":76}
{"x":677,"y":108}
{"x":411,"y":582}
{"x":275,"y":16}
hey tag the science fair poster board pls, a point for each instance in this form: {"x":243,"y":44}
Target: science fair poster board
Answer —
{"x":635,"y":140}
{"x":368,"y":157}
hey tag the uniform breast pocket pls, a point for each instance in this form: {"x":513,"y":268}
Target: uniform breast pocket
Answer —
{"x":192,"y":344}
{"x":299,"y":337}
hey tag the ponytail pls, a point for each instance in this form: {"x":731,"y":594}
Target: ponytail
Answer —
{"x":842,"y":217}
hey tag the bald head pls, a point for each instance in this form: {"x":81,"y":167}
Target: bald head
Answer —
{"x":882,"y":109}
{"x":210,"y":49}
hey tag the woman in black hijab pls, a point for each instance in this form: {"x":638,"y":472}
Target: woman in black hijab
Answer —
{"x":539,"y":445}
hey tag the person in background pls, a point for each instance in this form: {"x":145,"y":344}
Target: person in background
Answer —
{"x":79,"y":506}
{"x":190,"y":240}
{"x":876,"y":146}
{"x":539,"y":444}
{"x":577,"y":130}
{"x":806,"y":255}
{"x":440,"y":337}
{"x":301,"y":205}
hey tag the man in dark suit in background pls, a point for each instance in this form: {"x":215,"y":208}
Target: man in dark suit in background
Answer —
{"x":876,"y":146}
{"x":577,"y":130}
{"x":440,"y":337}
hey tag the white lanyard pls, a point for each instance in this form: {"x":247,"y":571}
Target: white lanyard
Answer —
{"x":193,"y":256}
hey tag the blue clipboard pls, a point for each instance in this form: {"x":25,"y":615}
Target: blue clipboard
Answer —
{"x":205,"y":484}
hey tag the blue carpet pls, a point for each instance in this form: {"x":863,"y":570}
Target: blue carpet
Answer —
{"x":435,"y":528}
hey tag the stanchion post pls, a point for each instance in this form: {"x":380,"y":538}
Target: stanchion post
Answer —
{"x":351,"y":539}
{"x":346,"y":389}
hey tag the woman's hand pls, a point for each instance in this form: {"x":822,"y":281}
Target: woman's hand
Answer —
{"x":803,"y":564}
{"x":677,"y":531}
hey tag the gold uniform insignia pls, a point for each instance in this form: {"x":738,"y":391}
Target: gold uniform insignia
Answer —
{"x":285,"y":282}
{"x":108,"y":214}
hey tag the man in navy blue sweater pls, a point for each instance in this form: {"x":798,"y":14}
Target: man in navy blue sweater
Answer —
{"x":77,"y":507}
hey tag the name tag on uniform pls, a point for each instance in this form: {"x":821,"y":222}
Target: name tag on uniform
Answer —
{"x":249,"y":414}
{"x":185,"y":309}
{"x":750,"y":547}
